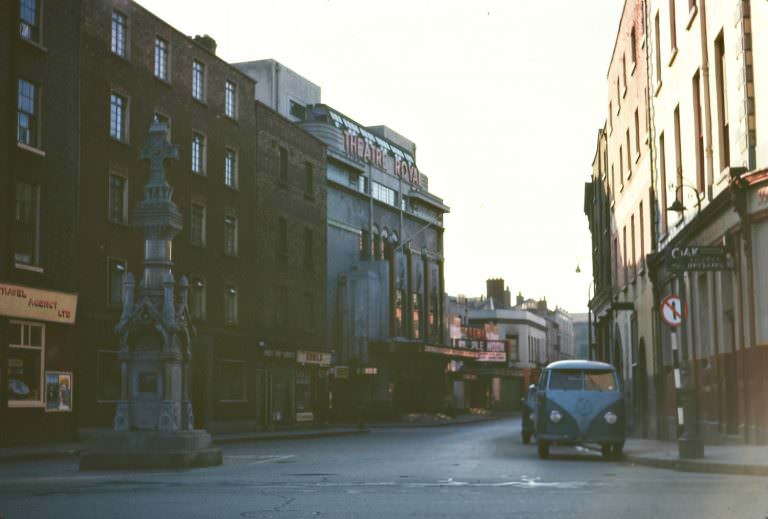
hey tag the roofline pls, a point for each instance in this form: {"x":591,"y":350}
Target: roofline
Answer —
{"x":193,"y":42}
{"x":616,"y":40}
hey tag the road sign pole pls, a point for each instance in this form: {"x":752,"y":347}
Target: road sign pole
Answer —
{"x":689,"y":443}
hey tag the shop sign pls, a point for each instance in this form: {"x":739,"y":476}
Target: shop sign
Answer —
{"x":306,"y":416}
{"x":492,"y":356}
{"x":454,"y":352}
{"x":313,"y":357}
{"x":341,"y":372}
{"x":58,"y":392}
{"x":687,"y":259}
{"x":36,"y":304}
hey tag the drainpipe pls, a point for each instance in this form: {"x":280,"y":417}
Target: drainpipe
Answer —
{"x":707,"y":102}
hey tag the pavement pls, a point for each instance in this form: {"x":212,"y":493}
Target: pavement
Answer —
{"x":481,"y":469}
{"x":750,"y":460}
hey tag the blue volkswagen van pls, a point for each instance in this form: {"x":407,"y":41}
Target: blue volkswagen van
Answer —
{"x":580,"y":401}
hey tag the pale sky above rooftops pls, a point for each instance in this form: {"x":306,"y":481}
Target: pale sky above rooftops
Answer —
{"x":503,"y":99}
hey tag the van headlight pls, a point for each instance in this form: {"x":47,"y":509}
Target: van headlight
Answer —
{"x":610,"y":418}
{"x":555,"y":416}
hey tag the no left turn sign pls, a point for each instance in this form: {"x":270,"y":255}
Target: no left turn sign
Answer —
{"x":673,"y":310}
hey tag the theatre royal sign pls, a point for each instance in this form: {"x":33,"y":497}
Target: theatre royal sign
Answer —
{"x":40,"y":305}
{"x":364,"y":146}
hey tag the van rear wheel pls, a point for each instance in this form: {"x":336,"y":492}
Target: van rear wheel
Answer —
{"x":543,"y":448}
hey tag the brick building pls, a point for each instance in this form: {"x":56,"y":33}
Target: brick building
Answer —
{"x":39,"y":156}
{"x":87,"y":83}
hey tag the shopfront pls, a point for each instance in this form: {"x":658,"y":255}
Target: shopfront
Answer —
{"x":296,"y":387}
{"x":38,"y":395}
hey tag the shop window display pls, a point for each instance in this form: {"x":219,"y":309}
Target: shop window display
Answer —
{"x":25,"y":363}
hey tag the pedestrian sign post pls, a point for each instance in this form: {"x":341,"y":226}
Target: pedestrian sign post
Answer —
{"x":673,"y":311}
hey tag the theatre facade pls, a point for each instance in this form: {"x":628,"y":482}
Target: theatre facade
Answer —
{"x":385,"y":285}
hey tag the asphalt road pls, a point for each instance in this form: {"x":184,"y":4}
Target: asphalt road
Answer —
{"x":479,"y":470}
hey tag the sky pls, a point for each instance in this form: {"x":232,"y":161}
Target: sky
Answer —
{"x":503,"y":99}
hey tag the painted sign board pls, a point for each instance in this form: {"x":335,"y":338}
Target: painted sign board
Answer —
{"x":36,"y":304}
{"x":695,"y":258}
{"x":454,"y":352}
{"x":313,"y":357}
{"x":673,"y":311}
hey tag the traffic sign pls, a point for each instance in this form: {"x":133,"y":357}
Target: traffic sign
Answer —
{"x":673,"y":310}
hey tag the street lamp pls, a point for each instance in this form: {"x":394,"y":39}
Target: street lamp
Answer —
{"x":678,"y":206}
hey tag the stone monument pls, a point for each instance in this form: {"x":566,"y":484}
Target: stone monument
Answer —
{"x":154,"y":424}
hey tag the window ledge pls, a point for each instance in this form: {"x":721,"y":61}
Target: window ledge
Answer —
{"x":124,"y":224}
{"x":637,"y":155}
{"x":29,"y":268}
{"x":632,"y":70}
{"x":164,"y":81}
{"x":309,"y":196}
{"x":691,"y":17}
{"x":624,"y":92}
{"x":658,"y":88}
{"x":23,"y":403}
{"x":202,"y":102}
{"x":200,"y":174}
{"x":672,"y":56}
{"x":119,"y":141}
{"x":621,"y":187}
{"x":32,"y":43}
{"x":233,"y":401}
{"x":234,"y":188}
{"x":282,"y":183}
{"x":119,"y":57}
{"x":231,"y":118}
{"x":31,"y":149}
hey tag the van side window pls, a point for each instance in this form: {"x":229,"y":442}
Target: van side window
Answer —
{"x":543,"y":380}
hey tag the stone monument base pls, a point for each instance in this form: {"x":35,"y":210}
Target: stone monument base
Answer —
{"x":150,"y":450}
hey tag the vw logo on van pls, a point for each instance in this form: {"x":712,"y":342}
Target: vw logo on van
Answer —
{"x":583,"y":406}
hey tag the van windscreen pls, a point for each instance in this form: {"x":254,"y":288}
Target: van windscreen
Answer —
{"x":595,"y":380}
{"x":565,"y":380}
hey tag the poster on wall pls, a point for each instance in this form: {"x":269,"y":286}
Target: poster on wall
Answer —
{"x":58,"y":391}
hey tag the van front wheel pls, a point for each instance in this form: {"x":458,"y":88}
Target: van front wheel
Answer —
{"x":543,"y":448}
{"x":612,"y":451}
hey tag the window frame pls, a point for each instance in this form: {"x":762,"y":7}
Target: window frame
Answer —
{"x":233,"y":311}
{"x":231,"y":248}
{"x":161,"y":69}
{"x":199,"y":83}
{"x":34,"y":128}
{"x":231,"y":178}
{"x":124,"y":123}
{"x":125,"y":198}
{"x":198,"y":283}
{"x":35,"y":262}
{"x":40,"y":402}
{"x":202,"y":158}
{"x":116,"y":261}
{"x":114,"y":44}
{"x":203,"y":241}
{"x":36,"y":26}
{"x":230,"y":99}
